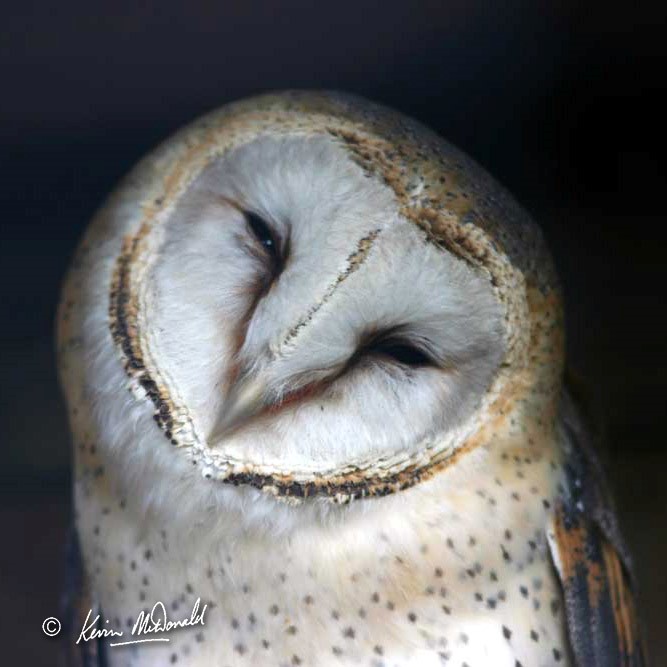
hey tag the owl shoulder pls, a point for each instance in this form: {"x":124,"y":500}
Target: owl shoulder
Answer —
{"x":590,"y":556}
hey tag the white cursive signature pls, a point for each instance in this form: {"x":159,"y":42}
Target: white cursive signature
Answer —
{"x":153,"y":622}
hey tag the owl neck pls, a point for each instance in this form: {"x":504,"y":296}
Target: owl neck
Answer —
{"x":387,"y":552}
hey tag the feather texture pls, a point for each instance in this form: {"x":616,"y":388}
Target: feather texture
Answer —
{"x":592,"y":561}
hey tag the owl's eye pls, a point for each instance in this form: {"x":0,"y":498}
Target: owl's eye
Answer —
{"x":273,"y":251}
{"x":401,"y":352}
{"x":262,"y":232}
{"x":390,"y":347}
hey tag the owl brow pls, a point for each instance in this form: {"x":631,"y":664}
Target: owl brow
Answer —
{"x":354,"y":261}
{"x":243,"y":209}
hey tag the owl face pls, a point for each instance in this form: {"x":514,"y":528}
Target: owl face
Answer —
{"x":308,"y":297}
{"x":304,"y":322}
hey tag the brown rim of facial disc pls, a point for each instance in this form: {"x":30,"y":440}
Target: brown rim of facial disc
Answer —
{"x":459,"y":208}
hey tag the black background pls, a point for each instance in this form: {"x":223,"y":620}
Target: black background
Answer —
{"x":561,"y":102}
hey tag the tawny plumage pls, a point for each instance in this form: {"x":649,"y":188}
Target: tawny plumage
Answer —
{"x":313,"y":357}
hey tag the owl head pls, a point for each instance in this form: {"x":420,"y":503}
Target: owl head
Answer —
{"x":303,"y":297}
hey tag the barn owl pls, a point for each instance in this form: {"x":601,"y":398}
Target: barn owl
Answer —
{"x":313,"y":361}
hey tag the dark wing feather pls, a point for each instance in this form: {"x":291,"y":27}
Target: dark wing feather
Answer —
{"x":592,"y":562}
{"x":77,"y":601}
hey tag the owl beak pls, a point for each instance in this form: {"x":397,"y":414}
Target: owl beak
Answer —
{"x":244,"y":400}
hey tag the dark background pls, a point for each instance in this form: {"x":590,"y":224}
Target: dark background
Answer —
{"x":559,"y":101}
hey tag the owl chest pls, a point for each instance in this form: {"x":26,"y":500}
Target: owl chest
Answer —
{"x":385,"y":618}
{"x":455,"y":599}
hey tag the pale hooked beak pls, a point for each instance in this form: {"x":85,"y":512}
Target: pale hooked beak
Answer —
{"x":246,"y":399}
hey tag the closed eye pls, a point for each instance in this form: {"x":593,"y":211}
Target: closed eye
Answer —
{"x":391,"y":347}
{"x":401,"y":352}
